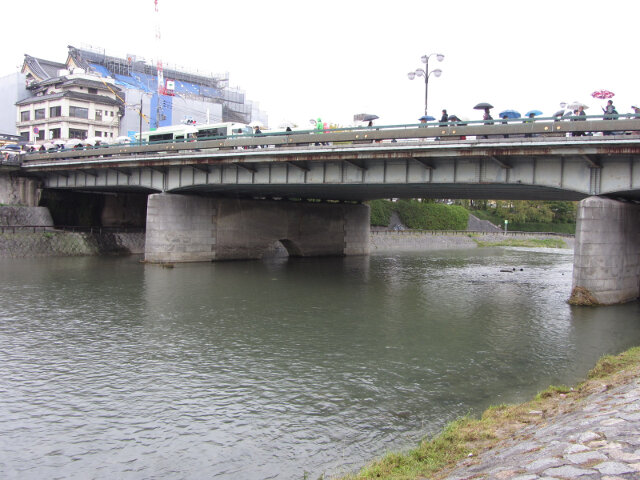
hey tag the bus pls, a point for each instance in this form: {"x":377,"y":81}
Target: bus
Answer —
{"x":182,"y":132}
{"x":224,"y":129}
{"x":170,"y":133}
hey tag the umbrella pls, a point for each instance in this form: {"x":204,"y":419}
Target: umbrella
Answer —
{"x":559,"y":113}
{"x":602,"y":94}
{"x":508,"y":114}
{"x":369,"y":117}
{"x":94,"y":140}
{"x":575,"y":104}
{"x":455,"y":118}
{"x":535,"y":113}
{"x":287,"y":125}
{"x":482,"y":106}
{"x":74,"y":142}
{"x":123,"y":139}
{"x":427,"y":118}
{"x":12,"y":146}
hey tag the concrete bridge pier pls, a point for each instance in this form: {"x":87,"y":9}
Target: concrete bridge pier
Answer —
{"x":606,"y":265}
{"x":189,"y":228}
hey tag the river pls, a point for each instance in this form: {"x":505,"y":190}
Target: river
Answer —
{"x":111,"y":368}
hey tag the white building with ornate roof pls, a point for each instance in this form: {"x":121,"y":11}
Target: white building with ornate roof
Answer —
{"x":67,"y":102}
{"x":96,"y":95}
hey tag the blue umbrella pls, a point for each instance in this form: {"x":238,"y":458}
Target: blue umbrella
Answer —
{"x":509,"y":114}
{"x":535,"y":113}
{"x":427,"y":118}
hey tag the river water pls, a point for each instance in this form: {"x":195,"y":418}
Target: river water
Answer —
{"x":111,"y":368}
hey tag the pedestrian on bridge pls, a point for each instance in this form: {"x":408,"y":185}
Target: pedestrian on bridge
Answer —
{"x":580,"y":116}
{"x":489,"y":119}
{"x":444,"y":119}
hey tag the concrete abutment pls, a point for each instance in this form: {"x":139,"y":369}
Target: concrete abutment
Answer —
{"x":189,"y":228}
{"x":606,"y":265}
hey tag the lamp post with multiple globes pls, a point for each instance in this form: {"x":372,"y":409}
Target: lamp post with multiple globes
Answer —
{"x":426,"y":74}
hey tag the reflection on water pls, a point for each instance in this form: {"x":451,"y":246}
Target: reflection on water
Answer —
{"x":116,"y":369}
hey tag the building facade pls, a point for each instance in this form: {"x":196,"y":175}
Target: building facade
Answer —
{"x":73,"y":104}
{"x":96,"y":96}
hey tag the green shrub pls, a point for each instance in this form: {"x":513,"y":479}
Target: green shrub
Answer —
{"x":381,"y":212}
{"x":432,"y":216}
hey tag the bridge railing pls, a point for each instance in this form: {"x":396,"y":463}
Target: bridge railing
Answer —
{"x":500,"y":130}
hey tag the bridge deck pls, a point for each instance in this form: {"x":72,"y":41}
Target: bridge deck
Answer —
{"x":407,"y":162}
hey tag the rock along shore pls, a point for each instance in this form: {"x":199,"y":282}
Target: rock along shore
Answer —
{"x":598,"y":440}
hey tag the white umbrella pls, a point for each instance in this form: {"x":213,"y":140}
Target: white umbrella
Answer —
{"x":72,"y":143}
{"x":122,"y":139}
{"x":97,"y":140}
{"x":287,"y":125}
{"x":575,"y":105}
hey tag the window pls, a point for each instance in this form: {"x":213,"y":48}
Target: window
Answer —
{"x":25,"y":116}
{"x":55,"y":111}
{"x":41,"y":134}
{"x":54,"y":133}
{"x":75,"y":133}
{"x":98,"y":133}
{"x":78,"y":112}
{"x":93,"y":90}
{"x":40,"y":114}
{"x":24,"y":136}
{"x":99,"y":115}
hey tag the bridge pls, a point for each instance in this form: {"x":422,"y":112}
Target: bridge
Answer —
{"x":353,"y":166}
{"x":221,"y":198}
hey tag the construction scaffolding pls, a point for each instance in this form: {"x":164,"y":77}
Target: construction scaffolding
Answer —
{"x":138,"y":72}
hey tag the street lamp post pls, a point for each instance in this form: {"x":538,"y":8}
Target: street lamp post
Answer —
{"x":426,"y":74}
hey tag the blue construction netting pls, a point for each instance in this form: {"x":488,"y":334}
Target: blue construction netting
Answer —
{"x":131,"y":82}
{"x":101,"y":70}
{"x":148,"y":83}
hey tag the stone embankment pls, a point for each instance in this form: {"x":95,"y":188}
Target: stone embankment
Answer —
{"x":414,"y":240}
{"x":40,"y":242}
{"x":598,"y":440}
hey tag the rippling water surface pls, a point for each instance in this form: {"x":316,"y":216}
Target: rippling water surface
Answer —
{"x":115,"y":369}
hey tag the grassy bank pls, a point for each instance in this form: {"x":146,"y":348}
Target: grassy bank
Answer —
{"x":468,"y":436}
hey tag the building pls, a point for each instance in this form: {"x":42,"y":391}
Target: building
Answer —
{"x":66,"y":102}
{"x":12,"y":88}
{"x":93,"y":94}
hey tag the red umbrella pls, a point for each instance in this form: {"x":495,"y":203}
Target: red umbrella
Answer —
{"x":602,"y":94}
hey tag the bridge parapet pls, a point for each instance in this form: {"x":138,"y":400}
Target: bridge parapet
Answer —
{"x":454,"y":132}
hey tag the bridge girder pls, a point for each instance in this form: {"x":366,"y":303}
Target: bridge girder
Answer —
{"x":555,"y":168}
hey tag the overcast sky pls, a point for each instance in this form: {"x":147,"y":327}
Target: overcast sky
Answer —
{"x":332,"y":59}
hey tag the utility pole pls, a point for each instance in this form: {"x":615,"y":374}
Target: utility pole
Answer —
{"x":140,"y":139}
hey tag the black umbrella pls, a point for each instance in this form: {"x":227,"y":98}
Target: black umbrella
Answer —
{"x":482,"y":106}
{"x":369,"y":118}
{"x":559,"y":113}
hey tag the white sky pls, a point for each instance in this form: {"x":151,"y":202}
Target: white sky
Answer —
{"x":332,"y":59}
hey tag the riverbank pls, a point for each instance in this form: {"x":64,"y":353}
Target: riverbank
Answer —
{"x":589,"y":431}
{"x":416,"y":240}
{"x":28,"y":242}
{"x":24,"y":242}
